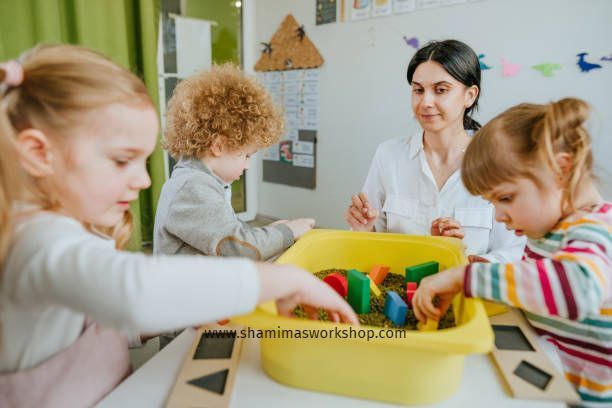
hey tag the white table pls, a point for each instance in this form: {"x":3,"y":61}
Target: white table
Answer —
{"x":150,"y":385}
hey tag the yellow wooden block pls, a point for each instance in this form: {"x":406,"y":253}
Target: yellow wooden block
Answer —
{"x":374,"y":288}
{"x":430,"y":325}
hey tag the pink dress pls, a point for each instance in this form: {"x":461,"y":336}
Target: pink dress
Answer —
{"x":79,"y":376}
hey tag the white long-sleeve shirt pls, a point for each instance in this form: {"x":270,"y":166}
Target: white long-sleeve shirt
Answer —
{"x":401,"y":185}
{"x":57,"y":273}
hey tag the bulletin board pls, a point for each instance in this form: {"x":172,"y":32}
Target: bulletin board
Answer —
{"x":289,"y":69}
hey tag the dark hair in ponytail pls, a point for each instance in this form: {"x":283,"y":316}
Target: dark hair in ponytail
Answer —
{"x":460,"y":61}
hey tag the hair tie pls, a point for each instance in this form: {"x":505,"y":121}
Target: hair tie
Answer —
{"x":11,"y":73}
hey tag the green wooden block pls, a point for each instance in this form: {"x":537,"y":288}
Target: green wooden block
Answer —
{"x":358,"y":291}
{"x":417,"y":272}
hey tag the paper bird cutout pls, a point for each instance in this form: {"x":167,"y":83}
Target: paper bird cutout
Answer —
{"x":584,"y":65}
{"x":547,"y":69}
{"x":483,"y":65}
{"x":267,"y":48}
{"x":301,"y":32}
{"x":509,"y":69}
{"x":607,"y":58}
{"x":413,"y":42}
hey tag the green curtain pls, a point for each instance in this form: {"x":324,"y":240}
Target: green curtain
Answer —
{"x":124,"y":30}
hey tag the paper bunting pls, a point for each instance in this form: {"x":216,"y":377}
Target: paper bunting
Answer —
{"x":413,"y":42}
{"x":584,"y":65}
{"x":483,"y":65}
{"x":509,"y":69}
{"x":547,"y":69}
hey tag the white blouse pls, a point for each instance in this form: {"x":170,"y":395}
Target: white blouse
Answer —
{"x":401,"y":185}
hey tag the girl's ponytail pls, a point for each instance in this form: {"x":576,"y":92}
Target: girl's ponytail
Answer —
{"x":562,"y":130}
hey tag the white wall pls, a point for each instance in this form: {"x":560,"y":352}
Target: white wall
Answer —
{"x":365,"y":98}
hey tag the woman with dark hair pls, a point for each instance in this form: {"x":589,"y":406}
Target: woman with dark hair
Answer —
{"x":414,"y":186}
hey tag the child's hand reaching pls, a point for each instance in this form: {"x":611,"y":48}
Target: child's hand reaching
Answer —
{"x":445,"y":285}
{"x":300,"y":226}
{"x":446,"y":227}
{"x":291,"y":286}
{"x":360,"y":215}
{"x":477,"y":259}
{"x":314,"y":294}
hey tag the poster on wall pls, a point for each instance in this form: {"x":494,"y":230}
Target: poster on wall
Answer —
{"x":381,"y":8}
{"x":326,"y":11}
{"x":360,"y":9}
{"x":404,"y":6}
{"x":425,"y":4}
{"x":197,"y":34}
{"x":452,"y":2}
{"x":289,"y":70}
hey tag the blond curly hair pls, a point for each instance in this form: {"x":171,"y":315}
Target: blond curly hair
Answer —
{"x":221,"y":103}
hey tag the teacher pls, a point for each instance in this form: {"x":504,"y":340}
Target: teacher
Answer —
{"x":414,"y":184}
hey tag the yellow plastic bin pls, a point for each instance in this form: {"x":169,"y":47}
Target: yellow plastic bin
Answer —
{"x":421,"y":367}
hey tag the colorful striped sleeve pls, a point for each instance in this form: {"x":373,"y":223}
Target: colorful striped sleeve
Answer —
{"x":571,"y":283}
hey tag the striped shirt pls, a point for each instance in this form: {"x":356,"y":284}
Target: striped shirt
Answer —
{"x":564,"y":285}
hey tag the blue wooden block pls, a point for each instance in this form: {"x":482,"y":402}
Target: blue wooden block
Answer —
{"x":396,"y":309}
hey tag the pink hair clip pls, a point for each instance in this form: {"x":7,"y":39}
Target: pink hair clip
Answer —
{"x":11,"y":73}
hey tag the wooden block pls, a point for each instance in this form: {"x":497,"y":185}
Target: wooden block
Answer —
{"x":430,"y":325}
{"x":417,"y":272}
{"x":358,"y":291}
{"x":337,"y":282}
{"x":374,"y":288}
{"x":411,"y":288}
{"x":378,"y":273}
{"x":396,"y":309}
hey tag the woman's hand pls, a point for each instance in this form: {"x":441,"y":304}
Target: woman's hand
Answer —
{"x":446,"y":227}
{"x":291,"y":286}
{"x":445,"y":285}
{"x":360,"y":215}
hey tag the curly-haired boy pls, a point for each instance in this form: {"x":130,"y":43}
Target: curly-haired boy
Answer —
{"x":216,"y":120}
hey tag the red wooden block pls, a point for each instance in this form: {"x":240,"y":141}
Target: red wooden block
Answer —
{"x":378,"y":273}
{"x":337,"y":282}
{"x":409,"y":296}
{"x":411,"y":288}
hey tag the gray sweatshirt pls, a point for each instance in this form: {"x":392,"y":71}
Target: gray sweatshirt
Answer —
{"x":195,"y":216}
